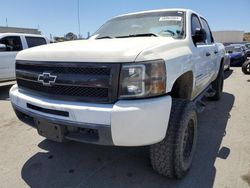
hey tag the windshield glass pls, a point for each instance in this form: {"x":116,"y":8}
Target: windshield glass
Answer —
{"x":165,"y":24}
{"x":233,"y":49}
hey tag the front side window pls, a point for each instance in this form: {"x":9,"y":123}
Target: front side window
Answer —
{"x":163,"y":24}
{"x":35,"y":41}
{"x":12,"y":43}
{"x":195,"y":24}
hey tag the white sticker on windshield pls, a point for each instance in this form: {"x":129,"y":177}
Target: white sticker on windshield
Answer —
{"x":170,"y":18}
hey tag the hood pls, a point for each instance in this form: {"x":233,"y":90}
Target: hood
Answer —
{"x":102,"y":50}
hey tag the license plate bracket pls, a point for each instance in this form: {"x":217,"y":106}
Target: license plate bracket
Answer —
{"x":50,"y":130}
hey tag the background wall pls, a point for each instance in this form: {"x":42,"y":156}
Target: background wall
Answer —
{"x":228,"y":36}
{"x":19,"y":30}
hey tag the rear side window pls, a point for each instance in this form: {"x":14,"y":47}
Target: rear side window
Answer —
{"x":208,"y":31}
{"x":35,"y":41}
{"x":13,"y":43}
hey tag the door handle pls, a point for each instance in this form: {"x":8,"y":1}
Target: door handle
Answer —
{"x":215,"y":52}
{"x":208,"y":54}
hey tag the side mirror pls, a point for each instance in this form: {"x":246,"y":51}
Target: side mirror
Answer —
{"x":200,"y":35}
{"x":3,"y":47}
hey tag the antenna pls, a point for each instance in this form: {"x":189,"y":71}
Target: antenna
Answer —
{"x":78,"y":15}
{"x":6,"y":22}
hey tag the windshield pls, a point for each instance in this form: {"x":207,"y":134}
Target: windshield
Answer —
{"x":164,"y":24}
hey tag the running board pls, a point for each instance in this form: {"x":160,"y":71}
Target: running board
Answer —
{"x":198,"y":101}
{"x":7,"y":83}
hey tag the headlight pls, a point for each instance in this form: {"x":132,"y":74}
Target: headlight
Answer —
{"x":141,"y":80}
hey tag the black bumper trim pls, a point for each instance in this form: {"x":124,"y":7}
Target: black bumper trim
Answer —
{"x":48,"y":111}
{"x":104,"y":131}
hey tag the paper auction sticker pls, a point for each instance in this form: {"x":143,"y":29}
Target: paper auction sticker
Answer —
{"x":170,"y":18}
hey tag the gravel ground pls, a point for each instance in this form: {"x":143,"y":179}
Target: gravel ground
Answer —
{"x":222,"y":157}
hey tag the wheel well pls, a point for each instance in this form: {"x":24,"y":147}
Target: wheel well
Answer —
{"x":183,"y":86}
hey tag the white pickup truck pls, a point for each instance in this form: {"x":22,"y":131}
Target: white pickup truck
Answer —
{"x":137,"y":81}
{"x":10,"y":45}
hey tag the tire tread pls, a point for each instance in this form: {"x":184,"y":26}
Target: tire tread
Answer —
{"x":164,"y":155}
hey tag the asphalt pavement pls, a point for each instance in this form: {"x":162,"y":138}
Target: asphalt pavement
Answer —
{"x":222,"y":158}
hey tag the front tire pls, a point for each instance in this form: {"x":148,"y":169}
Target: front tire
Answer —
{"x":246,"y":67}
{"x":173,"y":156}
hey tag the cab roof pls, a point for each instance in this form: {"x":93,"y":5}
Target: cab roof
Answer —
{"x":159,"y":10}
{"x":20,"y":34}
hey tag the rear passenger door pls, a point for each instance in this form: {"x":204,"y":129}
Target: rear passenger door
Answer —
{"x":211,"y":50}
{"x":7,"y":57}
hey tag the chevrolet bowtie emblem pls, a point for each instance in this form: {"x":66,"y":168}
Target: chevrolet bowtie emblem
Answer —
{"x":47,"y":79}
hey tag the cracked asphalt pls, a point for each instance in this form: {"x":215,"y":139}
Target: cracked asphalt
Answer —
{"x":222,"y":157}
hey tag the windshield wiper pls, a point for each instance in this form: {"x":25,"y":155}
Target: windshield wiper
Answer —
{"x":139,"y":35}
{"x":104,"y":37}
{"x":132,"y":35}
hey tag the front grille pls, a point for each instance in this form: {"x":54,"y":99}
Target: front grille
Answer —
{"x":65,"y":90}
{"x":66,"y":70}
{"x":87,"y":82}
